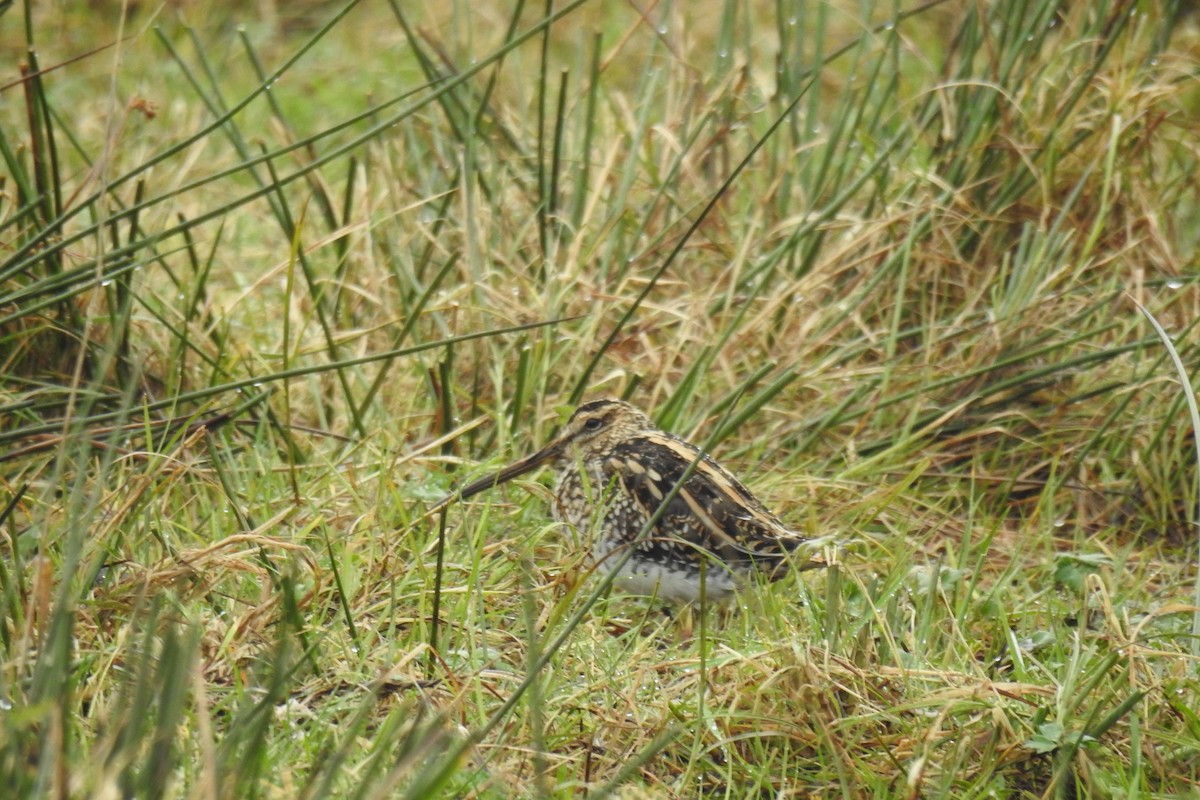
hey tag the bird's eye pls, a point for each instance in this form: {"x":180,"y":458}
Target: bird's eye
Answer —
{"x":593,"y":424}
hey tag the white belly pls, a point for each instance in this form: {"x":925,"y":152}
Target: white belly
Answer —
{"x":638,"y":574}
{"x":652,"y":579}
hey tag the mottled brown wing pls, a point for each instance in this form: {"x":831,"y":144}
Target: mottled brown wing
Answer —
{"x":713,"y":509}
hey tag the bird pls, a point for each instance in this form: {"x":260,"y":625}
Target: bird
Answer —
{"x":615,"y":468}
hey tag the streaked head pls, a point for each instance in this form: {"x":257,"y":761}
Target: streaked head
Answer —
{"x":593,"y":429}
{"x":596,"y":426}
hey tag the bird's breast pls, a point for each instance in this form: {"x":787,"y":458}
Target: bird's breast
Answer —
{"x":579,"y":492}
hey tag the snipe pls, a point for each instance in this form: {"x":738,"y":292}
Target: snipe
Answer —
{"x":615,"y":468}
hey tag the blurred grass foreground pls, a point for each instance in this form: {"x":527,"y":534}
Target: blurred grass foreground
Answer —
{"x":275,"y":277}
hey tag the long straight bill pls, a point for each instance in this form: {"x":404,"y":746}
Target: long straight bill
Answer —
{"x":504,"y":475}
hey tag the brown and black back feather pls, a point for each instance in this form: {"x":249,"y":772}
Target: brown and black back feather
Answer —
{"x":711,"y":513}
